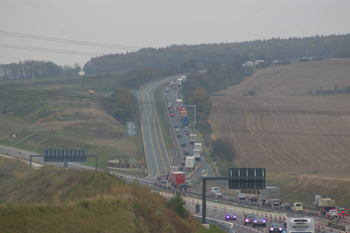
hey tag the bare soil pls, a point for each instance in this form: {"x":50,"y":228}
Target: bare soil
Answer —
{"x":281,"y":128}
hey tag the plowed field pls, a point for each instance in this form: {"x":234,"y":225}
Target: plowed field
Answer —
{"x":281,"y":128}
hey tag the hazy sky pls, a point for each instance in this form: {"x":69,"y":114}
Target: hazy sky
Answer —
{"x":159,"y":23}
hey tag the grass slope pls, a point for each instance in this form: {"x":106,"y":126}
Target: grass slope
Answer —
{"x":52,"y":199}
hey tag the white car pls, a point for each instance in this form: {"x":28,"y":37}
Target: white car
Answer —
{"x":213,"y":190}
{"x":177,"y":130}
{"x":332,"y":214}
{"x":218,"y":193}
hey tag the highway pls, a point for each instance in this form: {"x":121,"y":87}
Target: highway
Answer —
{"x":158,"y":161}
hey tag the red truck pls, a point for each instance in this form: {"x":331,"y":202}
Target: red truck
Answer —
{"x":177,"y":178}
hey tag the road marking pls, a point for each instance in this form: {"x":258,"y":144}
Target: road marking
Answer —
{"x":144,"y":147}
{"x":154,"y":153}
{"x":155,"y":130}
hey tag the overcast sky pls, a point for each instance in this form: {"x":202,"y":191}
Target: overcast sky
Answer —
{"x":158,"y":23}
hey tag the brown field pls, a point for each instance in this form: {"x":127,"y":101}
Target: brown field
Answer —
{"x":281,"y":127}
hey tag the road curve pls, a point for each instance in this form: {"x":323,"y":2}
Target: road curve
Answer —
{"x":158,"y":161}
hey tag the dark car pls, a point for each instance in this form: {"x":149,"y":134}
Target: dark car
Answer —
{"x":179,"y":135}
{"x":269,"y":203}
{"x":249,"y":218}
{"x":183,"y":144}
{"x":259,"y":221}
{"x":181,"y":168}
{"x":253,"y":198}
{"x":187,"y":133}
{"x":285,"y":205}
{"x":172,"y":114}
{"x":230,"y":216}
{"x":241,"y":196}
{"x":176,"y":126}
{"x":275,"y":227}
{"x":186,"y":151}
{"x":183,"y":186}
{"x":171,"y":111}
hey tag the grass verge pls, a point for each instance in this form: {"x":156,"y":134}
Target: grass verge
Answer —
{"x":163,"y":121}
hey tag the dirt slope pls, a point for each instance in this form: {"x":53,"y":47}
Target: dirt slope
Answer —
{"x":283,"y":129}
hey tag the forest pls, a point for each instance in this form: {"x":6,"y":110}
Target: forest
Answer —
{"x":207,"y":54}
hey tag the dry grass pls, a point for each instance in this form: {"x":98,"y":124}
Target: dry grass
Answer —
{"x":58,"y":200}
{"x":282,"y":131}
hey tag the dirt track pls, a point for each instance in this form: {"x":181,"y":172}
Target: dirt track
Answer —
{"x":281,"y":128}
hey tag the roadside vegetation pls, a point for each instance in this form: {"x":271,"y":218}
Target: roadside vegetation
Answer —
{"x":52,"y":199}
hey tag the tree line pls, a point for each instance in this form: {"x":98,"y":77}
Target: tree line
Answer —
{"x":35,"y":70}
{"x":207,"y":54}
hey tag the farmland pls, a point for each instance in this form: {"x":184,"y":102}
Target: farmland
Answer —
{"x":285,"y":126}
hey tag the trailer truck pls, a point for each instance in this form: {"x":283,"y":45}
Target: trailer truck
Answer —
{"x":193,"y":138}
{"x":270,"y":194}
{"x":183,"y":114}
{"x":190,"y":163}
{"x":177,"y":178}
{"x":185,"y":121}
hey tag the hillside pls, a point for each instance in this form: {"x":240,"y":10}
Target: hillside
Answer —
{"x":59,"y":113}
{"x":284,"y":129}
{"x":59,"y":200}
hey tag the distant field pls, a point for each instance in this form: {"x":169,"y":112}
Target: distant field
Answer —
{"x":59,"y":113}
{"x":284,"y":129}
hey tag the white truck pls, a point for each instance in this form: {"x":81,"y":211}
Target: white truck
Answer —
{"x":198,"y":145}
{"x":171,"y":83}
{"x":270,"y":194}
{"x":179,"y":82}
{"x":197,"y":154}
{"x":178,"y":102}
{"x":324,"y":204}
{"x":193,"y":138}
{"x":189,"y":163}
{"x":184,"y":78}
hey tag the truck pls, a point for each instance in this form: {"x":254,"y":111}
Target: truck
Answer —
{"x":324,"y":204}
{"x":185,"y":121}
{"x":177,"y":178}
{"x":171,"y":83}
{"x":178,"y":102}
{"x":193,"y":138}
{"x":91,"y":92}
{"x":175,"y":87}
{"x":174,"y":168}
{"x":179,"y":82}
{"x":197,"y":154}
{"x":184,"y":78}
{"x":183,"y":114}
{"x":270,"y":193}
{"x":198,"y":145}
{"x":189,"y":163}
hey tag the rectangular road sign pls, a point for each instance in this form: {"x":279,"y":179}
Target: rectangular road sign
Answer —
{"x":65,"y":155}
{"x":247,"y":178}
{"x":131,"y":129}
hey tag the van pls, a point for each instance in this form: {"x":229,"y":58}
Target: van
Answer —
{"x":298,"y":206}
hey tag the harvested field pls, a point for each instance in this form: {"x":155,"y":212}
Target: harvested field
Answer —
{"x":281,"y":128}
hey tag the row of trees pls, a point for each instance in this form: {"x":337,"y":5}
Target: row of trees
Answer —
{"x":206,"y":54}
{"x":35,"y":70}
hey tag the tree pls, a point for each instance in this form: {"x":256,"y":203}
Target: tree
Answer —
{"x":201,"y":99}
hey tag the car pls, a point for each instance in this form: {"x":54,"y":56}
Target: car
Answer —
{"x":187,"y":129}
{"x":177,"y":130}
{"x":275,"y":227}
{"x":183,"y":186}
{"x":342,"y":210}
{"x":163,"y":180}
{"x":253,"y":198}
{"x":179,"y":108}
{"x":276,"y":201}
{"x":218,"y":193}
{"x":259,"y":221}
{"x":176,"y":126}
{"x":186,"y":151}
{"x":269,"y":203}
{"x":175,"y":108}
{"x":172,"y":114}
{"x":298,"y":206}
{"x":285,"y":205}
{"x":181,"y":168}
{"x":213,"y":190}
{"x":241,"y":196}
{"x":179,"y":135}
{"x":187,"y":133}
{"x":183,"y":143}
{"x":332,"y":214}
{"x":230,"y":216}
{"x":171,"y":111}
{"x":249,"y":218}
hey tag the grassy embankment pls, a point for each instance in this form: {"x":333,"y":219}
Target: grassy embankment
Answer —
{"x":59,"y":113}
{"x":51,"y":199}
